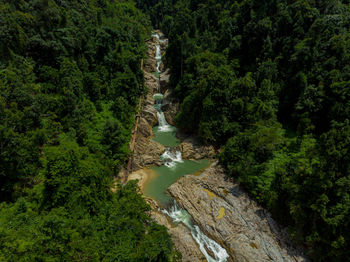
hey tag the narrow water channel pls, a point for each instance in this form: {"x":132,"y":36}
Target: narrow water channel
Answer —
{"x":173,"y":168}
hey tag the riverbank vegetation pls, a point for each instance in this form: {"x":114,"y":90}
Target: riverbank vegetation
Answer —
{"x":268,"y":81}
{"x":70,"y":79}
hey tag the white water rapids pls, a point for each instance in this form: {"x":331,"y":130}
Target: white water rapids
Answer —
{"x":178,"y":215}
{"x":158,"y":57}
{"x":158,"y":38}
{"x":158,"y":53}
{"x":205,"y":243}
{"x":171,"y":159}
{"x":163,"y":125}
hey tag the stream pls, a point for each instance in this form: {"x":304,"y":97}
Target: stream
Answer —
{"x":172,"y":169}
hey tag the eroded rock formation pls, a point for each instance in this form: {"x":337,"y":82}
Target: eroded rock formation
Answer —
{"x":225,"y":213}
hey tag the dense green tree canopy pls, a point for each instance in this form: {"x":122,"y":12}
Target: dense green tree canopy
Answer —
{"x":267,"y":81}
{"x":70,"y":80}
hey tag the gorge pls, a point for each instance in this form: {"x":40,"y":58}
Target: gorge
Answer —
{"x":223,"y":135}
{"x":224,"y":223}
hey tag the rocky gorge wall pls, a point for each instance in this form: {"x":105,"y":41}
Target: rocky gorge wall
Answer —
{"x":147,"y":152}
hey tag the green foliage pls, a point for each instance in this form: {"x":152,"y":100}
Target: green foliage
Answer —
{"x":70,"y":80}
{"x":113,"y":137}
{"x":62,"y":63}
{"x":74,"y":179}
{"x":120,"y":230}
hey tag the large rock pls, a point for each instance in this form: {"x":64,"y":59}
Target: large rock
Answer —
{"x":151,"y":83}
{"x":151,"y":51}
{"x":165,"y":76}
{"x":226,"y":214}
{"x":150,"y":114}
{"x":170,"y":110}
{"x":150,"y":65}
{"x":170,"y":106}
{"x":144,"y":128}
{"x":146,"y":153}
{"x":164,"y":82}
{"x":192,"y":149}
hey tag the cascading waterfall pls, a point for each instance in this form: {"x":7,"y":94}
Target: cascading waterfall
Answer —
{"x":159,"y":89}
{"x":158,"y":53}
{"x":205,"y":243}
{"x":163,"y":125}
{"x":170,"y":160}
{"x":159,"y":61}
{"x":158,"y":66}
{"x":158,"y":38}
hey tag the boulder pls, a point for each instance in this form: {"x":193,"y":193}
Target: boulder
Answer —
{"x":150,"y":65}
{"x":192,"y":149}
{"x":150,"y":114}
{"x":146,"y":153}
{"x":170,"y":112}
{"x":164,"y":82}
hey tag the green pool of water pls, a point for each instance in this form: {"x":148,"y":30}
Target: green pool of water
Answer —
{"x":168,"y":139}
{"x":164,"y":176}
{"x":157,"y":74}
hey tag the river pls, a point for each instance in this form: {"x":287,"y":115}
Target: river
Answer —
{"x":172,"y":169}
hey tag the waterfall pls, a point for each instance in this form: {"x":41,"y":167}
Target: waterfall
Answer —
{"x":158,"y":53}
{"x":205,"y":243}
{"x":171,"y":159}
{"x":158,"y":66}
{"x":159,"y":89}
{"x":163,"y":125}
{"x":158,"y":38}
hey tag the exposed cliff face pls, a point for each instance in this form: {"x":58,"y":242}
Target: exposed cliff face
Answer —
{"x":146,"y":151}
{"x":227,"y":214}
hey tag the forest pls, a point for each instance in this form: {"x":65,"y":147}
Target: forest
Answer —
{"x":268,"y":82}
{"x":70,"y":80}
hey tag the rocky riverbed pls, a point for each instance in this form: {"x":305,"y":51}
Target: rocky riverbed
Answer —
{"x":226,"y":214}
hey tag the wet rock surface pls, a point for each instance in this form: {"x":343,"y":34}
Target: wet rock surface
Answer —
{"x":225,"y":213}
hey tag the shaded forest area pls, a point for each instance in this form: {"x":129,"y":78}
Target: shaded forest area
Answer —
{"x":269,"y":82}
{"x":70,"y":80}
